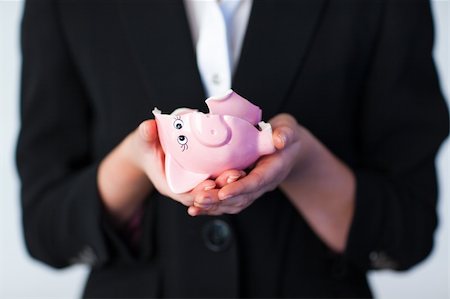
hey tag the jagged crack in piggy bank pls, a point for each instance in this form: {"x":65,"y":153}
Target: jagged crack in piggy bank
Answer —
{"x":199,"y":146}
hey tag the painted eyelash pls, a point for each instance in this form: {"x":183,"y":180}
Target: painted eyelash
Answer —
{"x":184,"y":147}
{"x":178,"y":123}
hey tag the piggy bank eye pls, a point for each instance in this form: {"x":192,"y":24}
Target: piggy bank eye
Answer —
{"x":178,"y":124}
{"x":182,"y":139}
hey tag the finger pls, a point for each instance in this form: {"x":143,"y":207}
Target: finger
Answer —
{"x":255,"y":180}
{"x":229,"y":206}
{"x":240,"y":201}
{"x":215,"y":212}
{"x":283,"y":136}
{"x":148,"y":131}
{"x":207,"y":199}
{"x":229,"y":176}
{"x":204,"y":186}
{"x":261,"y":179}
{"x":239,"y":205}
{"x":194,"y":211}
{"x":188,"y":198}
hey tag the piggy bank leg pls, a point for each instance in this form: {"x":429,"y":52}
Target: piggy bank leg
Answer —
{"x":179,"y":179}
{"x":265,"y":139}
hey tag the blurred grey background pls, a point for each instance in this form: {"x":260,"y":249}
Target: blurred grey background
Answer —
{"x":22,"y":277}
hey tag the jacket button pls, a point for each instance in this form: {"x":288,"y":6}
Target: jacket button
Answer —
{"x":217,"y":235}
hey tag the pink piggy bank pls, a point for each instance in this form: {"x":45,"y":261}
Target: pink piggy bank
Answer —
{"x":199,"y":146}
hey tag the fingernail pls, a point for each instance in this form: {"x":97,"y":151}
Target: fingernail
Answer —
{"x":209,"y":187}
{"x":226,"y":197}
{"x":282,"y":138}
{"x":232,"y":178}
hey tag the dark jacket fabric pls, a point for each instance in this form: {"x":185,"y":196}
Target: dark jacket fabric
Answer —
{"x":358,"y":74}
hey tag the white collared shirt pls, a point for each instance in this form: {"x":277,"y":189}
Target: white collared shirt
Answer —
{"x":218,"y":29}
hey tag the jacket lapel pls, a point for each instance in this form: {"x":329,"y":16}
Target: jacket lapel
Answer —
{"x":275,"y":45}
{"x":274,"y":48}
{"x":161,"y":43}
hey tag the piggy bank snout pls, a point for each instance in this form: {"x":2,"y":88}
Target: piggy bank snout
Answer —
{"x":210,"y":130}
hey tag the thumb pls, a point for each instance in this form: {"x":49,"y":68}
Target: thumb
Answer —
{"x":148,"y":131}
{"x":283,"y":136}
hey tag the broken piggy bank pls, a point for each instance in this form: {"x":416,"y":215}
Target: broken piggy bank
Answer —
{"x":199,"y":146}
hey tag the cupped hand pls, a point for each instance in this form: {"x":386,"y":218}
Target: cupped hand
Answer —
{"x":269,"y":172}
{"x":149,"y":156}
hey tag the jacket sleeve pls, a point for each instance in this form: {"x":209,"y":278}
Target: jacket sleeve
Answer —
{"x":63,"y":217}
{"x":403,"y":121}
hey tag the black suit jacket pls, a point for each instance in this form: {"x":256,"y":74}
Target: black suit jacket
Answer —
{"x":358,"y":74}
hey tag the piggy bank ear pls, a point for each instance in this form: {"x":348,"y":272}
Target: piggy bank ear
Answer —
{"x":209,"y":129}
{"x":179,"y":179}
{"x":233,"y":104}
